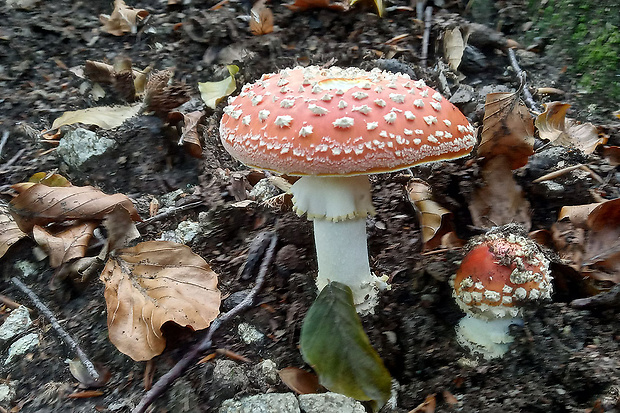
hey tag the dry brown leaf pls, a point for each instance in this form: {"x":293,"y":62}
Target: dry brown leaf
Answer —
{"x":151,"y":284}
{"x":435,"y":220}
{"x":122,"y":20}
{"x":612,"y":154}
{"x":508,"y":130}
{"x":453,"y":47}
{"x":428,"y":406}
{"x":39,"y":204}
{"x":121,"y":228}
{"x":449,"y":398}
{"x":162,"y":94}
{"x":500,"y":200}
{"x":603,"y":243}
{"x":301,"y":5}
{"x":261,"y":19}
{"x":9,"y":231}
{"x":554,"y":126}
{"x":569,"y":241}
{"x":190,"y":135}
{"x":106,"y":117}
{"x":577,"y":214}
{"x":65,"y":245}
{"x":300,"y":381}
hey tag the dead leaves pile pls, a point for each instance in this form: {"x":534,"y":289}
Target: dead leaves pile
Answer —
{"x":124,"y":19}
{"x":146,"y":285}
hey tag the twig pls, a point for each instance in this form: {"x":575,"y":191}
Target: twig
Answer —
{"x":166,"y":214}
{"x":527,"y":96}
{"x":555,"y":174}
{"x":69,"y":341}
{"x":428,"y":16}
{"x":12,"y":160}
{"x":5,"y":137}
{"x":608,"y":299}
{"x":167,"y":379}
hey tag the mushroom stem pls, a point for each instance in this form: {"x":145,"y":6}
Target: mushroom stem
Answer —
{"x":339,"y":207}
{"x":491,"y":338}
{"x":342,"y":256}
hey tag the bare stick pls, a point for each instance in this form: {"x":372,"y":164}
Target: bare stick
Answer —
{"x":607,"y":299}
{"x":428,"y":16}
{"x":527,"y":96}
{"x":175,"y":372}
{"x":5,"y":137}
{"x":166,"y":214}
{"x":69,"y":341}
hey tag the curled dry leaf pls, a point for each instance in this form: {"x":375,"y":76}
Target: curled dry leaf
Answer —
{"x":124,"y":19}
{"x":190,"y":137}
{"x":151,"y":284}
{"x":612,"y":154}
{"x":435,"y":220}
{"x":38,"y":204}
{"x":301,"y":5}
{"x":380,"y":6}
{"x":588,"y":238}
{"x":554,"y":126}
{"x":126,"y":80}
{"x":453,"y":47}
{"x":121,"y":228}
{"x":212,"y":93}
{"x":508,"y":130}
{"x":106,"y":117}
{"x":162,"y":94}
{"x":500,"y":200}
{"x":261,"y":19}
{"x":9,"y":231}
{"x":300,"y":381}
{"x":63,"y":246}
{"x":428,"y":406}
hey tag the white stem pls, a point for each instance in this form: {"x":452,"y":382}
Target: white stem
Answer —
{"x":342,"y":256}
{"x":488,"y":337}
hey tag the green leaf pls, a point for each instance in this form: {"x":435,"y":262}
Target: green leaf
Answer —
{"x":212,"y":93}
{"x":334,"y":343}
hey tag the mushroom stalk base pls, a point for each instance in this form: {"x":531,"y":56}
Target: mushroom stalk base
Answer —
{"x":489,"y":338}
{"x":342,"y":256}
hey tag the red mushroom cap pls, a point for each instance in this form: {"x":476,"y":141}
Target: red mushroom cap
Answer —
{"x":498,"y":273}
{"x":314,"y":121}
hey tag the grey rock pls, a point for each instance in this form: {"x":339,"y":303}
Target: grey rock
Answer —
{"x":249,"y":334}
{"x":81,"y":145}
{"x":22,"y":346}
{"x":228,"y":378}
{"x":263,"y":403}
{"x":329,"y":402}
{"x":7,"y":393}
{"x":16,"y":323}
{"x":263,"y":190}
{"x":464,"y":94}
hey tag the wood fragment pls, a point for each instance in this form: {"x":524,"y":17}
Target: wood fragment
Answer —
{"x":555,"y":174}
{"x":232,"y":355}
{"x":86,"y":394}
{"x":428,"y":21}
{"x":527,"y":96}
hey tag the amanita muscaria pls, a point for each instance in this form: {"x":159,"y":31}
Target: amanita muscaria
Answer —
{"x":501,"y":271}
{"x":333,"y":127}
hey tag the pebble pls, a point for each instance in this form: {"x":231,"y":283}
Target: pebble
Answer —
{"x":7,"y":393}
{"x":329,"y":402}
{"x":16,"y":323}
{"x":80,"y":145}
{"x":249,"y":334}
{"x":22,"y":346}
{"x":263,"y":403}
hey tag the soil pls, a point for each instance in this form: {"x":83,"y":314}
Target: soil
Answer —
{"x":563,"y":360}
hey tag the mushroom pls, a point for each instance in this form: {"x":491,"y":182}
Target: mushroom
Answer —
{"x":333,"y":127}
{"x":501,"y":271}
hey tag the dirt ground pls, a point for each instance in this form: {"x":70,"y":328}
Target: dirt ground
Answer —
{"x":563,"y":360}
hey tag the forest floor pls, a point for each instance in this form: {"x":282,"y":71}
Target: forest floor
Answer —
{"x":563,"y":360}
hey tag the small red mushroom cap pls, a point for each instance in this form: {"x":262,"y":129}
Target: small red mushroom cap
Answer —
{"x":500,"y":272}
{"x":316,"y":121}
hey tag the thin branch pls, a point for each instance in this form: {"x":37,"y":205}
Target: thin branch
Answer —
{"x":167,"y":213}
{"x":69,"y":341}
{"x":428,"y":20}
{"x":167,"y":379}
{"x":607,"y":299}
{"x":5,"y":137}
{"x":527,"y":96}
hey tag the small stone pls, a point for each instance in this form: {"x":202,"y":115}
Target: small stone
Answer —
{"x":329,"y":402}
{"x":27,"y":268}
{"x":269,"y":371}
{"x":81,"y":145}
{"x":22,"y":346}
{"x":263,"y":190}
{"x":16,"y":323}
{"x":249,"y":334}
{"x":187,"y":230}
{"x":7,"y":393}
{"x":264,"y":403}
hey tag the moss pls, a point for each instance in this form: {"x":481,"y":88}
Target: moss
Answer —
{"x":586,"y":33}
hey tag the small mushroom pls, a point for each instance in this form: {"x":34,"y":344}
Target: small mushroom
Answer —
{"x":333,"y":127}
{"x":501,"y":271}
